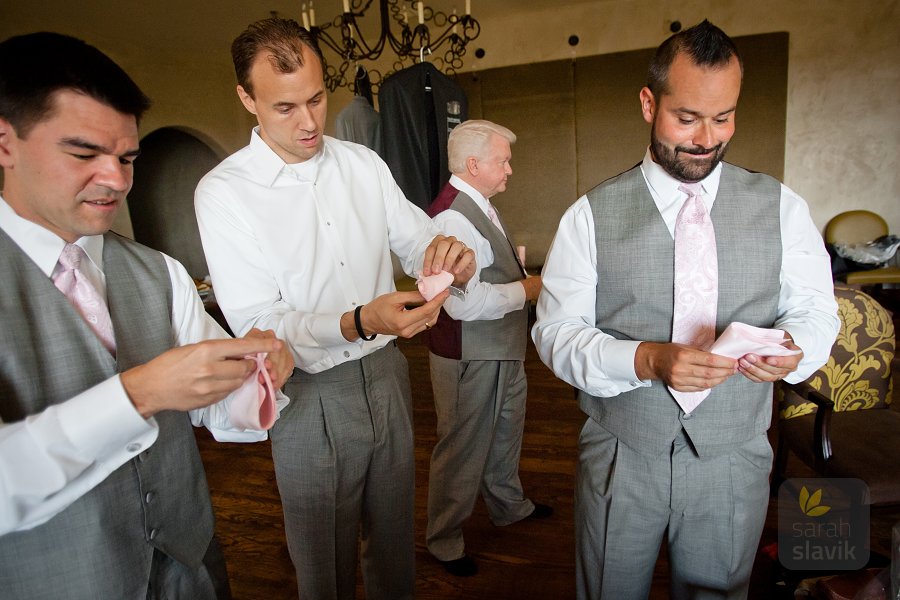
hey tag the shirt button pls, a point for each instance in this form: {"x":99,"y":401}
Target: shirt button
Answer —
{"x":346,"y":354}
{"x":342,"y":263}
{"x":688,"y":416}
{"x":149,"y":497}
{"x":153,"y":533}
{"x":133,"y":447}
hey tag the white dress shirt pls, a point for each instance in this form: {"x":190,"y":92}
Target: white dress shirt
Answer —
{"x":293,"y":247}
{"x":50,"y":459}
{"x":484,"y":301}
{"x":566,"y":335}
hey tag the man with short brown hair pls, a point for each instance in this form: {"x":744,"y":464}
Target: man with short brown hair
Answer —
{"x":675,"y":441}
{"x":298,"y":229}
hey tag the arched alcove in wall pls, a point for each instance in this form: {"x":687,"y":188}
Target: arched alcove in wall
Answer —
{"x":161,"y":203}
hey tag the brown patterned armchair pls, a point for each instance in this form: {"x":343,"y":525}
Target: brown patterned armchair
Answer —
{"x":839,"y":421}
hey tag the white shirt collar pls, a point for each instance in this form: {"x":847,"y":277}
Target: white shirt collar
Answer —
{"x":664,"y":187}
{"x":474,"y":194}
{"x":42,"y":245}
{"x":268,"y":166}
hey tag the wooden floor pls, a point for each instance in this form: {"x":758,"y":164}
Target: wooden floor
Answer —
{"x":524,"y":561}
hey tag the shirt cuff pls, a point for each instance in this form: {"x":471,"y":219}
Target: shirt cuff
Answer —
{"x":517,"y":294}
{"x":618,"y":362}
{"x":102,"y":421}
{"x":808,"y":364}
{"x":241,"y":436}
{"x":326,"y":330}
{"x":217,"y":420}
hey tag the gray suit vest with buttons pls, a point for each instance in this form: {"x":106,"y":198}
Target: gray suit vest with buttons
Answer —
{"x":101,"y":545}
{"x":635,"y":258}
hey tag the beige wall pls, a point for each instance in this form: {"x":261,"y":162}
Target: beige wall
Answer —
{"x":577,"y":125}
{"x":843,"y":122}
{"x":843,"y":111}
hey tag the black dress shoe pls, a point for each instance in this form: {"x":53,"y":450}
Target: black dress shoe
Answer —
{"x":541,"y":511}
{"x":461,"y":567}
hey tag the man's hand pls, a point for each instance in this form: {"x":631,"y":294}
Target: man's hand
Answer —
{"x":279,"y":364}
{"x":681,"y":367}
{"x":195,"y":375}
{"x":387,"y":314}
{"x":533,"y":285}
{"x":769,"y":368}
{"x":449,"y":254}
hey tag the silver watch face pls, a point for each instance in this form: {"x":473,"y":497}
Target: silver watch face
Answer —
{"x":457,"y":292}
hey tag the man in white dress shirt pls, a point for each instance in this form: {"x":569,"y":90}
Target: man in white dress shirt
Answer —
{"x":102,"y":492}
{"x":298,"y":229}
{"x":477,"y":354}
{"x":648,"y":468}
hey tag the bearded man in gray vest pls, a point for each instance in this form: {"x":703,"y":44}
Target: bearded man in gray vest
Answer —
{"x":648,"y":467}
{"x":477,"y":353}
{"x":102,"y":492}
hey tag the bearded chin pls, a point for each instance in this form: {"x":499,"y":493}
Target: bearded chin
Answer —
{"x":686,"y":171}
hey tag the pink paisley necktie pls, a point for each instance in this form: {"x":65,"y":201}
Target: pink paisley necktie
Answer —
{"x":83,"y":295}
{"x":696,"y":283}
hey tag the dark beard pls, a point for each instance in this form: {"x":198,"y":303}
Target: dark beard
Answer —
{"x":686,"y":171}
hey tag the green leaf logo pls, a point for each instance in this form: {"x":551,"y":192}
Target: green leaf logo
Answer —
{"x":809,"y":503}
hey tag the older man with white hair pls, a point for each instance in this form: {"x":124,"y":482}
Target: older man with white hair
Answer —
{"x":477,"y":353}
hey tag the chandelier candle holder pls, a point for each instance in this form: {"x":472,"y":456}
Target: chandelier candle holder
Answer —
{"x":432,"y":32}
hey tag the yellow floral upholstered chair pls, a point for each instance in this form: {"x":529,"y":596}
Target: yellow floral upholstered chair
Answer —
{"x":839,"y":421}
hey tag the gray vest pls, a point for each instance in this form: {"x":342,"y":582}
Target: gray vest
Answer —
{"x":496,"y":339}
{"x":635,"y":270}
{"x":101,"y":545}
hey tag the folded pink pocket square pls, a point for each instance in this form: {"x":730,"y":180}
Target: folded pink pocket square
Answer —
{"x":740,"y":339}
{"x":253,"y":404}
{"x":433,"y":285}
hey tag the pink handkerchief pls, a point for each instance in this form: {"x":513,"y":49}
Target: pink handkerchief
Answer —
{"x":433,"y":285}
{"x":740,"y":339}
{"x":253,"y":404}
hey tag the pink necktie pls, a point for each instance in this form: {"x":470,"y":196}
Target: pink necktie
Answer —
{"x":83,"y":295}
{"x":495,"y":219}
{"x":492,"y":215}
{"x":696,"y":283}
